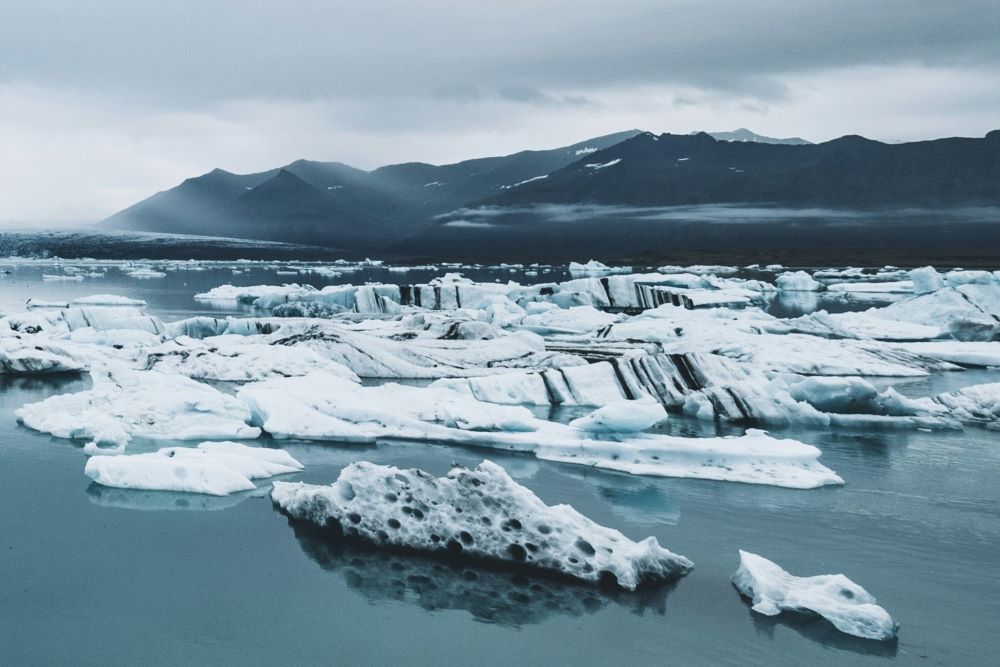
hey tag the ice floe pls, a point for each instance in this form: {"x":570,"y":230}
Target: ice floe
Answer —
{"x":28,"y":357}
{"x":836,"y":598}
{"x":236,"y":361}
{"x":124,"y":403}
{"x":329,"y":408}
{"x":478,"y":513}
{"x":213,"y":468}
{"x":798,"y":281}
{"x":978,"y":403}
{"x":594,"y":268}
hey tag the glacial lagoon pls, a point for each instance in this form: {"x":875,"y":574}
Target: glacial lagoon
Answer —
{"x":98,"y":575}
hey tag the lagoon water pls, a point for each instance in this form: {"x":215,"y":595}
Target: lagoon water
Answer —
{"x":91,"y":575}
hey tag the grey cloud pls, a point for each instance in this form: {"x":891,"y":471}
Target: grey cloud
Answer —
{"x":104,"y":103}
{"x":193,"y":52}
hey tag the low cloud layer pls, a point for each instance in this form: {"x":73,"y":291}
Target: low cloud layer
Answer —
{"x":101,"y":105}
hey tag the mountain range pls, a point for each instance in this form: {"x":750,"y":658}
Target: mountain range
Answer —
{"x":624,"y":193}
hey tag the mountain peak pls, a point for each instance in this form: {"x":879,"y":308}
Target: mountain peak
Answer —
{"x":745,"y":135}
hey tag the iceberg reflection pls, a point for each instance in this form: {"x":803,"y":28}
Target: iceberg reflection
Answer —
{"x":817,"y":629}
{"x":160,"y":501}
{"x":491,"y":593}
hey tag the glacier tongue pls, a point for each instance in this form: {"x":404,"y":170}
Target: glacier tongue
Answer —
{"x":479,"y":513}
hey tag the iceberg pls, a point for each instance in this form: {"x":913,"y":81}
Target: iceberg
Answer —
{"x":836,"y":598}
{"x":926,"y":280}
{"x":327,"y":408}
{"x":213,"y":468}
{"x":594,"y":268}
{"x":404,"y":354}
{"x":21,"y":357}
{"x":968,"y":311}
{"x":479,"y":513}
{"x":107,"y":300}
{"x":622,"y":417}
{"x":124,"y":403}
{"x":977,"y":404}
{"x":798,"y":281}
{"x":882,"y":287}
{"x":963,"y":353}
{"x":144,"y":272}
{"x":209,"y":359}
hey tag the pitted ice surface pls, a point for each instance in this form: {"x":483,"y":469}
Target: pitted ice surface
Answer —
{"x":482,"y":513}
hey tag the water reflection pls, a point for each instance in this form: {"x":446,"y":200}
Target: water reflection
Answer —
{"x":820,"y":631}
{"x":51,"y":383}
{"x":491,"y":593}
{"x":638,"y":500}
{"x":166,"y":501}
{"x":794,"y":304}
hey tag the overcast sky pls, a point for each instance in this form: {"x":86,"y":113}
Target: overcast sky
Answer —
{"x":105,"y":102}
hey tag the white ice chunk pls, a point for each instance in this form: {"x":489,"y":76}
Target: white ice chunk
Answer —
{"x":145,"y":272}
{"x":836,"y":598}
{"x":24,"y":357}
{"x":214,"y":468}
{"x":622,"y":417}
{"x":239,"y":363}
{"x":926,"y":280}
{"x":481,"y":513}
{"x":972,"y":353}
{"x":978,"y":403}
{"x":145,"y":404}
{"x":886,"y":287}
{"x":323,"y":407}
{"x":594,"y":268}
{"x":107,"y":300}
{"x":798,"y":281}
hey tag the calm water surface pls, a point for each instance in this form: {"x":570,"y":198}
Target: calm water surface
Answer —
{"x":90,"y":575}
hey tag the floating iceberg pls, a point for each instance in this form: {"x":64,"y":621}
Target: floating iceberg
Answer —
{"x":107,"y":300}
{"x":21,"y":357}
{"x":407,"y":355}
{"x":798,"y":281}
{"x":213,"y":468}
{"x":977,"y":404}
{"x":144,"y":272}
{"x":926,"y":280}
{"x":836,"y":598}
{"x":882,"y":287}
{"x":622,"y":417}
{"x":125,"y":403}
{"x":324,"y":407}
{"x":481,"y":513}
{"x":968,"y":311}
{"x":594,"y":268}
{"x":240,"y":362}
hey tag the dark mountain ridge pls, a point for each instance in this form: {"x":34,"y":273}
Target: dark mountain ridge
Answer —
{"x":615,"y":196}
{"x":333,"y":203}
{"x":850,"y":172}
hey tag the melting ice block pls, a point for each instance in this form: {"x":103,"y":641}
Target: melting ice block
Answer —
{"x":836,"y":598}
{"x":324,"y":407}
{"x":979,"y":403}
{"x":148,"y":404}
{"x":213,"y":468}
{"x":622,"y":417}
{"x":798,"y":281}
{"x":23,"y":357}
{"x":481,"y":513}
